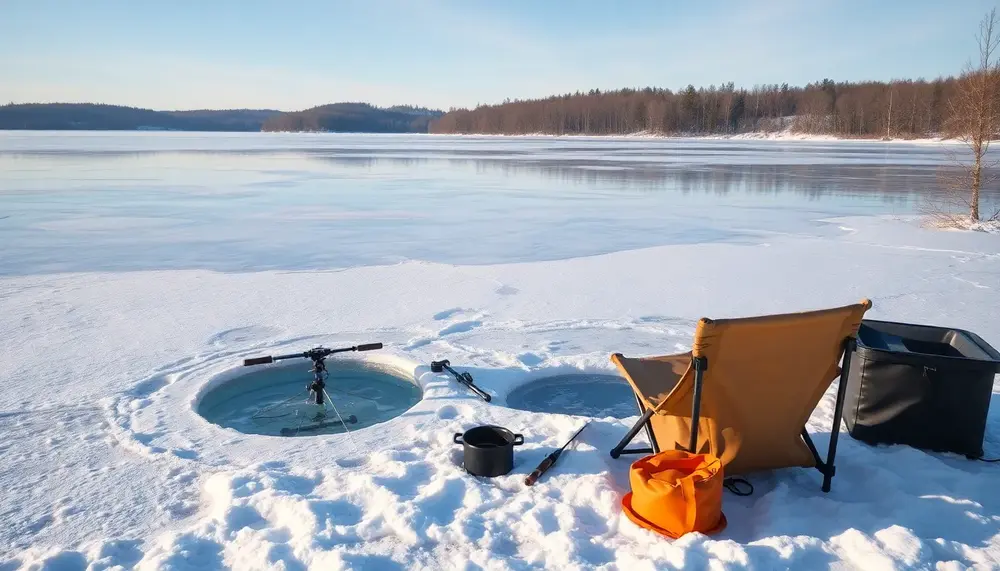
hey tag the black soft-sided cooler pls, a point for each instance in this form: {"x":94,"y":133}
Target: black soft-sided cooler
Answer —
{"x":926,"y":387}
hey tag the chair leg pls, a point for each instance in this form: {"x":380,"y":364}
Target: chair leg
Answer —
{"x":700,"y":365}
{"x":838,"y":414}
{"x":812,"y":448}
{"x":653,"y":445}
{"x":617,"y":450}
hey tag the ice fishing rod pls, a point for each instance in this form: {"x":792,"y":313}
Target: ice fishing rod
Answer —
{"x":318,"y":356}
{"x":550,"y":460}
{"x":464,"y":378}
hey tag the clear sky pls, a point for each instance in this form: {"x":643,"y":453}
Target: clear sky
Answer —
{"x":294,"y":54}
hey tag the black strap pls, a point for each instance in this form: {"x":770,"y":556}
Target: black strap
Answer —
{"x":733,"y":485}
{"x":981,"y":459}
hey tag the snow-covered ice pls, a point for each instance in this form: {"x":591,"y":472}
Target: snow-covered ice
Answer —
{"x":104,"y":463}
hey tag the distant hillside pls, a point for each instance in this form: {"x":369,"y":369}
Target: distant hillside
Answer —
{"x":89,"y":116}
{"x":354,"y":118}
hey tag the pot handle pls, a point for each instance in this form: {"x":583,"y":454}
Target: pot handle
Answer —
{"x":458,"y":438}
{"x":518,"y":439}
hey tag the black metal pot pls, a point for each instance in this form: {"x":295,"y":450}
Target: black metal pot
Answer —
{"x":489,"y":450}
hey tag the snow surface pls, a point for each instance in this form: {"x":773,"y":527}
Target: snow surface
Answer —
{"x":105,"y":465}
{"x":960,"y":223}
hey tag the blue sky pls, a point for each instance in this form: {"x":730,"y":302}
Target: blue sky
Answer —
{"x":294,"y":54}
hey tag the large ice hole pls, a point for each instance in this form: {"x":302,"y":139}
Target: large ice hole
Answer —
{"x":593,"y":395}
{"x":275,"y":401}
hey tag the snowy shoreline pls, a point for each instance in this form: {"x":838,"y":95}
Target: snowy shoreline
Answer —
{"x":142,"y":481}
{"x":777,"y":136}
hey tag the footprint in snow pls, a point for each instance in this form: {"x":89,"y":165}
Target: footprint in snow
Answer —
{"x":442,"y":315}
{"x":64,"y":560}
{"x":281,"y":556}
{"x":463,"y":326}
{"x":413,"y":476}
{"x":505,"y":289}
{"x":447,"y":412}
{"x":459,"y":327}
{"x":418,"y":343}
{"x":192,"y":551}
{"x":594,"y":553}
{"x":401,"y":455}
{"x":241,"y":335}
{"x":530,"y":359}
{"x":440,"y":506}
{"x":546,"y":519}
{"x":590,"y":521}
{"x":239,"y":517}
{"x":349,"y":462}
{"x":117,"y":553}
{"x":147,"y":387}
{"x":336,"y":512}
{"x":184,"y":453}
{"x":181,"y":476}
{"x":451,"y":412}
{"x":294,"y":484}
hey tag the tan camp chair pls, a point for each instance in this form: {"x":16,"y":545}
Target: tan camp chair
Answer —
{"x":750,"y":386}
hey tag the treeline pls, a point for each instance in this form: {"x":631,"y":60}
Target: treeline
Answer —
{"x":909,"y":108}
{"x":89,"y":116}
{"x":354,"y":118}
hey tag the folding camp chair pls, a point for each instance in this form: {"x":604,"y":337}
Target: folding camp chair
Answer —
{"x":746,"y":389}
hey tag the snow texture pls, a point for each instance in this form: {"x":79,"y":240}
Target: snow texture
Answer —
{"x":104,"y":463}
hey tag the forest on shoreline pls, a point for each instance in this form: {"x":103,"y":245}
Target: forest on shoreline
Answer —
{"x":898,"y":109}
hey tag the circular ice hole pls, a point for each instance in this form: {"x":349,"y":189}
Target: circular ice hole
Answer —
{"x":275,"y":400}
{"x":598,"y":396}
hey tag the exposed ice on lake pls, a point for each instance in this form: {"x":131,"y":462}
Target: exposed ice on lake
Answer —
{"x":238,"y":202}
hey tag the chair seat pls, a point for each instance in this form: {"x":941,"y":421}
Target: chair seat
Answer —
{"x":653,"y":378}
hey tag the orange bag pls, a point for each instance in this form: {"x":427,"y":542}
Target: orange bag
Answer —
{"x":676,"y":492}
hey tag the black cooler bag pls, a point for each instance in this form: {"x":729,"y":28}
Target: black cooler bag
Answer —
{"x":926,"y":387}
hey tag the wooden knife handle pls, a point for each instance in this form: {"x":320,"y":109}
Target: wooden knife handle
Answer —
{"x":541,"y":469}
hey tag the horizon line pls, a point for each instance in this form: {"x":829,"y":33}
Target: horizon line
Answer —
{"x":504,"y":101}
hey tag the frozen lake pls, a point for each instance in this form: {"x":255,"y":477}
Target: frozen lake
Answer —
{"x":115,"y":468}
{"x":84,"y":201}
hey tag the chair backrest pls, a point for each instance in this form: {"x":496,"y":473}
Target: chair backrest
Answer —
{"x":765,"y":376}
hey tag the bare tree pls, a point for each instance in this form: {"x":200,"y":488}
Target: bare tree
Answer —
{"x":975,"y":115}
{"x":888,"y":124}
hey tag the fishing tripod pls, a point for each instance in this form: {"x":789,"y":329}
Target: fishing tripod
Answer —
{"x":317,"y":389}
{"x":318,"y":355}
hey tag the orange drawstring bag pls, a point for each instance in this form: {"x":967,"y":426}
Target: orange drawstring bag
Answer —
{"x":676,"y":492}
